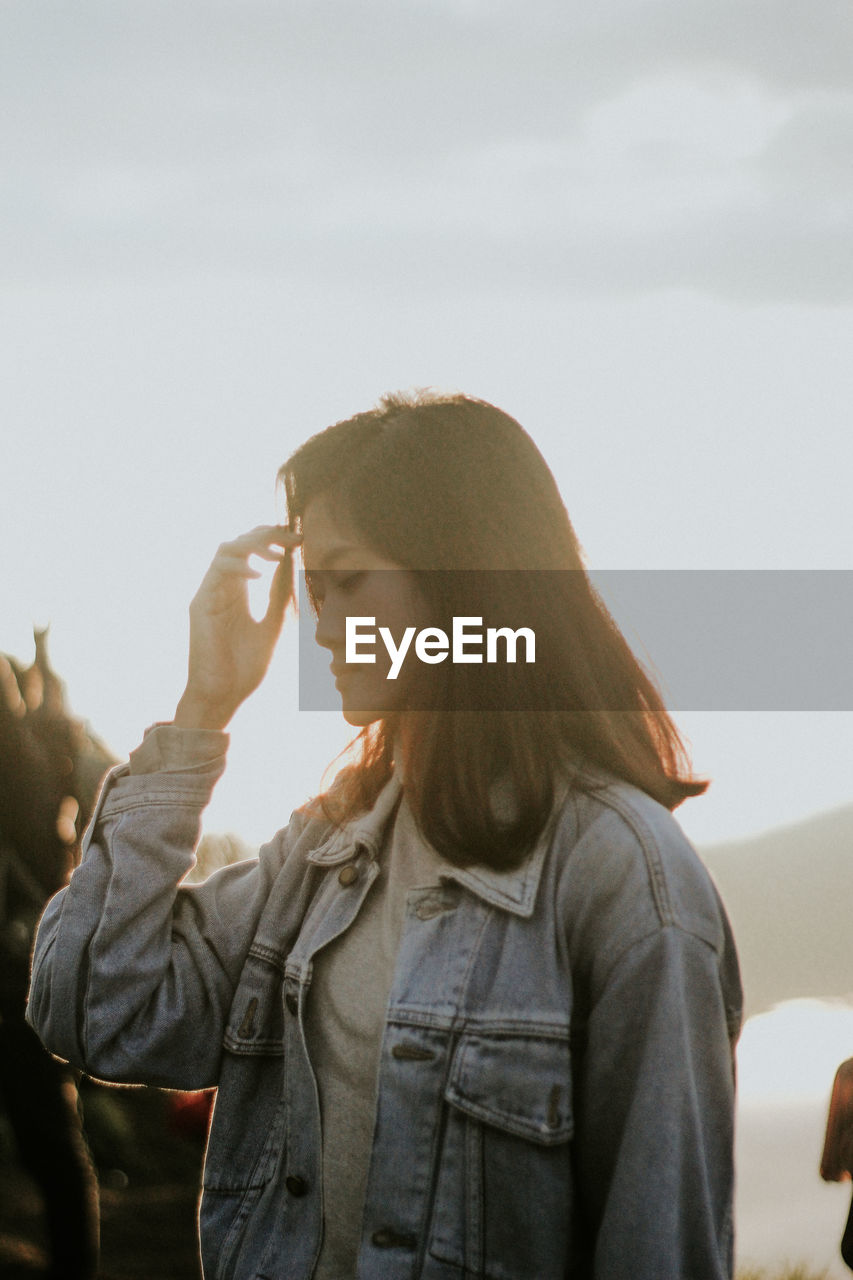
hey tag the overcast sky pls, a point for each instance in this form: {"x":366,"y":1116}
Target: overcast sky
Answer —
{"x":225,"y":225}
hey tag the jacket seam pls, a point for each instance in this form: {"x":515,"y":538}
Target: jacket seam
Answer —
{"x":650,"y":846}
{"x":260,"y":951}
{"x":558,"y":1032}
{"x":168,"y":799}
{"x":651,"y":850}
{"x":673,"y":927}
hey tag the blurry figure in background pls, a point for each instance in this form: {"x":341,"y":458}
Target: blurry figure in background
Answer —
{"x":216,"y":851}
{"x":50,"y":768}
{"x":836,"y":1163}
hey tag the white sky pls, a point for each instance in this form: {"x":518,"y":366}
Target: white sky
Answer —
{"x":225,"y":225}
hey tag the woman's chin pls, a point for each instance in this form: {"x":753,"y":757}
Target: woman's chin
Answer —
{"x":360,"y":715}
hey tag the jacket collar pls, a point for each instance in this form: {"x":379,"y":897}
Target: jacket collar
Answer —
{"x":362,"y":833}
{"x":513,"y":890}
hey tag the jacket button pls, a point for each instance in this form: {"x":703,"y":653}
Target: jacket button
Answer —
{"x":411,"y":1053}
{"x":385,"y":1238}
{"x":292,"y":1003}
{"x":296,"y":1186}
{"x":348,"y":874}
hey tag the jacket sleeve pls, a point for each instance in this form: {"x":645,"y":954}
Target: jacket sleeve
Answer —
{"x":654,"y":1115}
{"x":133,"y":976}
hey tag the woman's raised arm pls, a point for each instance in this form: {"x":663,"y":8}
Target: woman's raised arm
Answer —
{"x":133,"y":976}
{"x":229,"y":650}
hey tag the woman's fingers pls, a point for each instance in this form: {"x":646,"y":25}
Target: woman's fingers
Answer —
{"x":261,"y":541}
{"x":281,"y":591}
{"x":229,"y":650}
{"x":273,"y":543}
{"x":234,"y":567}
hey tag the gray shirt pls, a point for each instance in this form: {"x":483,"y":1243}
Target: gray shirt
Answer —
{"x":344,"y":1025}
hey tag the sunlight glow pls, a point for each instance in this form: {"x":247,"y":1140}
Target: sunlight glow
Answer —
{"x":792,"y":1053}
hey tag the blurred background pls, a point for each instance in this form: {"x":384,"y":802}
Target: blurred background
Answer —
{"x":228,"y":224}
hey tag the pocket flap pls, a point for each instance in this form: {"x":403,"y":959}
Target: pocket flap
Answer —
{"x":518,"y":1083}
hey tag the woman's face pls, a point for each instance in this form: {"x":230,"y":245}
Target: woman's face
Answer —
{"x":348,"y":579}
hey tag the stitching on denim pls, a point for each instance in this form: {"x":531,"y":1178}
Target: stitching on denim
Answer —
{"x":260,"y":951}
{"x":177,"y":799}
{"x":651,"y":853}
{"x":421,"y":1016}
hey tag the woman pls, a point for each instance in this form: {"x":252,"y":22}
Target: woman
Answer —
{"x":472,"y":1012}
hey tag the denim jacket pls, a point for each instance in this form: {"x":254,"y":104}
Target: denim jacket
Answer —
{"x":556,"y":1086}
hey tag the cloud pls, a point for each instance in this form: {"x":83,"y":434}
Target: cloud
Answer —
{"x":647,"y":144}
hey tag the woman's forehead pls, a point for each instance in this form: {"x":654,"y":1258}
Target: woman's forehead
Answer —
{"x":324,"y":537}
{"x":328,"y":538}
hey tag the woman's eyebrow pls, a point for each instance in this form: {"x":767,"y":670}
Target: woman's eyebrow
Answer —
{"x":335,"y":553}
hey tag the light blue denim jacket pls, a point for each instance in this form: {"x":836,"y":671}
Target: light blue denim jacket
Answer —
{"x":556,"y":1084}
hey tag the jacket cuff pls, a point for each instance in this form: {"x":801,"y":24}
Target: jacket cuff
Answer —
{"x":165,"y":748}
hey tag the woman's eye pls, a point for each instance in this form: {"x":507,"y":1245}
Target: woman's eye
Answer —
{"x":320,"y":581}
{"x":349,"y":581}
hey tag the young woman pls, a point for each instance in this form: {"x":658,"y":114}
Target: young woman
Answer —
{"x":471,"y":1013}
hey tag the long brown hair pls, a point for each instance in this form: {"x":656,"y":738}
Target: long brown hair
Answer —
{"x":436,"y":482}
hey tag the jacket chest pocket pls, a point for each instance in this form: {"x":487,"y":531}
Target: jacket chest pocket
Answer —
{"x":502,"y":1208}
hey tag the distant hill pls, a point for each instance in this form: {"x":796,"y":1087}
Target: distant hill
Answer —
{"x":789,"y":893}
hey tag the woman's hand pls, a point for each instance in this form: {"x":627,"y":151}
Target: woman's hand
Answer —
{"x":229,"y":650}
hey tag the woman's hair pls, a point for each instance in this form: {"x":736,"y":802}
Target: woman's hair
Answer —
{"x":442,"y":483}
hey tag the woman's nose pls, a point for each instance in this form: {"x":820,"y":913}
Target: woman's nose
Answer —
{"x":330,"y":629}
